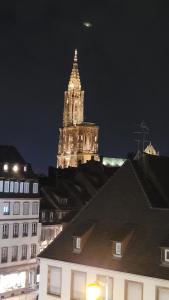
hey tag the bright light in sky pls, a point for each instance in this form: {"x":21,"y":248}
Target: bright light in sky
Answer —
{"x":87,"y":24}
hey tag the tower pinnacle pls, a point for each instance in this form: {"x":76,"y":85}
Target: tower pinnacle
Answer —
{"x":74,"y":96}
{"x":75,"y":56}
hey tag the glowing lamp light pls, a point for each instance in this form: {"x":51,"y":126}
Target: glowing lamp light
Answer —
{"x":15,"y":168}
{"x":5,"y":167}
{"x":93,"y":291}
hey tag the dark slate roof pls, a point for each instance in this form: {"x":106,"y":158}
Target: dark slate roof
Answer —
{"x":10,"y":154}
{"x":77,"y":185}
{"x":122,"y":200}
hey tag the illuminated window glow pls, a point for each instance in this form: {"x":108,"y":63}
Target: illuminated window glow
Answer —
{"x":5,"y":167}
{"x":12,"y":281}
{"x":15,"y":168}
{"x":6,"y":208}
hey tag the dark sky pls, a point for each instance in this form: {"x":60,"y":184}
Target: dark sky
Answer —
{"x":124,"y":68}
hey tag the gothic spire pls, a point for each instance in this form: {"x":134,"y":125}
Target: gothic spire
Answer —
{"x":74,"y":82}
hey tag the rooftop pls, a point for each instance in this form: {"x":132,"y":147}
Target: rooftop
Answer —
{"x":126,"y":198}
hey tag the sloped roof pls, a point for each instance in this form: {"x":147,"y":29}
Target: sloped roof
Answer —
{"x":10,"y":154}
{"x":123,"y":199}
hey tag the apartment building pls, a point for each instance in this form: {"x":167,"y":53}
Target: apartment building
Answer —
{"x":19,"y":224}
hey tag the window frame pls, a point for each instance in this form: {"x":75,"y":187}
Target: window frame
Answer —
{"x":34,"y":232}
{"x":8,"y":212}
{"x":35,"y":208}
{"x":48,"y":281}
{"x":72,"y":283}
{"x":4,"y":258}
{"x":126,"y":288}
{"x":14,"y":258}
{"x":33,"y":250}
{"x":24,"y":257}
{"x":15,"y":233}
{"x":28,"y":208}
{"x":6,"y":186}
{"x":25,"y":233}
{"x":5,"y":236}
{"x":15,"y":203}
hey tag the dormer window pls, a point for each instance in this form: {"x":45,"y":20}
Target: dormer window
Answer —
{"x":15,"y":168}
{"x":25,"y":168}
{"x":76,"y":244}
{"x":81,"y":236}
{"x":116,"y":249}
{"x":5,"y":167}
{"x":166,"y":255}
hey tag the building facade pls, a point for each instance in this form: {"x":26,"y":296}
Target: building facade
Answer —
{"x":118,"y":242}
{"x":19,"y":224}
{"x":78,"y":140}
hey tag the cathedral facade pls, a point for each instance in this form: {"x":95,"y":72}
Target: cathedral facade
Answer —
{"x":78,"y":140}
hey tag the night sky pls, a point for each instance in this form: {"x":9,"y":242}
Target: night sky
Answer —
{"x":124,"y":69}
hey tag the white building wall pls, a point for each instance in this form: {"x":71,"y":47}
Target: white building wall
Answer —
{"x":149,"y":284}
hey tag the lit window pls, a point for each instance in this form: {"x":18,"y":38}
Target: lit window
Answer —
{"x":78,"y":285}
{"x":78,"y":242}
{"x":5,"y":167}
{"x":25,"y":229}
{"x":34,"y":229}
{"x":26,"y":208}
{"x":1,"y":185}
{"x":6,"y":208}
{"x":54,"y":281}
{"x":35,"y":208}
{"x":106,"y":285}
{"x":133,"y":290}
{"x":167,"y":255}
{"x":118,"y":248}
{"x":16,"y":208}
{"x":21,"y":187}
{"x":14,"y":253}
{"x":11,"y":189}
{"x":25,"y":168}
{"x":15,"y":230}
{"x":24,"y":252}
{"x":15,"y":168}
{"x":5,"y":231}
{"x":35,"y":187}
{"x":26,"y":187}
{"x":33,"y":250}
{"x":16,"y":187}
{"x":4,"y":255}
{"x":6,"y":186}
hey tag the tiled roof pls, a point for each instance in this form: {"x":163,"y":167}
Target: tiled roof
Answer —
{"x":123,"y":199}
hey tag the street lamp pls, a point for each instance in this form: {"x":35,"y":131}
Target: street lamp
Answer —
{"x":93,"y":291}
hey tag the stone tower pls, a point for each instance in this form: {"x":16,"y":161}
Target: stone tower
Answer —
{"x":78,"y":140}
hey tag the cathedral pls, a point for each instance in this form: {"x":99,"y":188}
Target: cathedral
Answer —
{"x":78,"y":140}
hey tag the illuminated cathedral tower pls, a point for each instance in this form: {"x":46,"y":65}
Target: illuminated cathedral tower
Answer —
{"x":78,"y":140}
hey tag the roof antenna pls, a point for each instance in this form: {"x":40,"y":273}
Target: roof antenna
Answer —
{"x":141,"y":135}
